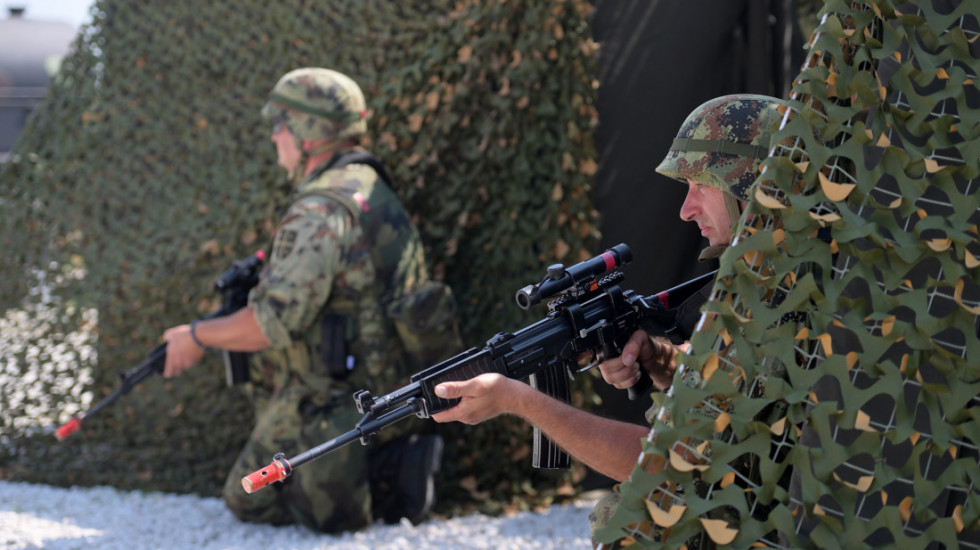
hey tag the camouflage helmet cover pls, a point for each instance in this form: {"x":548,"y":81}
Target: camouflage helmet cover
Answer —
{"x":317,"y":103}
{"x":722,"y":142}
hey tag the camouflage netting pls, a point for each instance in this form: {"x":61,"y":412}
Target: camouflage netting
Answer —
{"x":831,"y":397}
{"x":149,"y":169}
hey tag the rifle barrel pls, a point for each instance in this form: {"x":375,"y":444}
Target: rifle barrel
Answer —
{"x":280,"y":468}
{"x":127,"y":381}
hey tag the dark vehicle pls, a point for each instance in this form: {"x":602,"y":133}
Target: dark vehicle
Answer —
{"x":30,"y":53}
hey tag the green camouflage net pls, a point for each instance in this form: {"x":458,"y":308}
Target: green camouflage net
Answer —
{"x":148,"y":169}
{"x":831,"y":394}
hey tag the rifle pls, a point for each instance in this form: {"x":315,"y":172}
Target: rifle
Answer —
{"x":590,"y":313}
{"x":233,"y":285}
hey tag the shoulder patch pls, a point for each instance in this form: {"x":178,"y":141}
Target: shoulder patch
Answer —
{"x":285,"y":242}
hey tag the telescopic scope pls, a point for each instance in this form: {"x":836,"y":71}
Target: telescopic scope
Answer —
{"x":561,"y":278}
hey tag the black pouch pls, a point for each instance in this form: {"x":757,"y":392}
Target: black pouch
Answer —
{"x":333,"y":347}
{"x":236,"y":367}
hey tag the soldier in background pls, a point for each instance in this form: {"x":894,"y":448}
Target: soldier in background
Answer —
{"x":344,"y":251}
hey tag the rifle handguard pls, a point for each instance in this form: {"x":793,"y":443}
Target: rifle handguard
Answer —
{"x":278,"y":470}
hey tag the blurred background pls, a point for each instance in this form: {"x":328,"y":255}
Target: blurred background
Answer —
{"x":135,"y":168}
{"x":33,"y":47}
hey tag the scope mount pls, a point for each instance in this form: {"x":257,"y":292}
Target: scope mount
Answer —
{"x":575,"y":293}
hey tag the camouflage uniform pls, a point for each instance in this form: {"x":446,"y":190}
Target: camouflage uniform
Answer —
{"x":326,"y":264}
{"x":720,"y":144}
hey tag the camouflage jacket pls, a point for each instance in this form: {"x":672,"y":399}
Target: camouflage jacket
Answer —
{"x":324,"y":263}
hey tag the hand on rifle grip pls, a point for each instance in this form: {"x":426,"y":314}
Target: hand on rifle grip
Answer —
{"x":643,"y":382}
{"x":278,"y":470}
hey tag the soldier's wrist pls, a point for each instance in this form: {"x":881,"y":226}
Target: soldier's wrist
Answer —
{"x":194,"y":336}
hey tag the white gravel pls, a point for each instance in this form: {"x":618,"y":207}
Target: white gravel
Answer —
{"x":41,"y":516}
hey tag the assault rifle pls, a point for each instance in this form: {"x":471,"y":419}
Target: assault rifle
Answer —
{"x":589,"y":313}
{"x":233,"y":286}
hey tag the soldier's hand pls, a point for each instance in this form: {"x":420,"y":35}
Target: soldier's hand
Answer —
{"x":481,"y":398}
{"x":182,"y":351}
{"x":624,"y":371}
{"x":641,"y":355}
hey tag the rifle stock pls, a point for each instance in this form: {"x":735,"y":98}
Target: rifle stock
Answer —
{"x":591,"y":314}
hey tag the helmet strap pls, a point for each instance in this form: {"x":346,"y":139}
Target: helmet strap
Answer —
{"x":734,"y":208}
{"x":297,"y":173}
{"x":711,"y":252}
{"x":324,"y":148}
{"x":718,"y":146}
{"x":734,"y":211}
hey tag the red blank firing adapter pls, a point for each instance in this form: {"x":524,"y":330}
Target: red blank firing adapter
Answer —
{"x":278,"y":470}
{"x":68,"y":428}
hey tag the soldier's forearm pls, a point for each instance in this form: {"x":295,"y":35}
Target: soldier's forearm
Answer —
{"x":236,"y":332}
{"x":608,"y":446}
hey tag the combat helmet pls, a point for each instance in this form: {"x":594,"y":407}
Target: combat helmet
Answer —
{"x":315,"y":103}
{"x":723,"y":141}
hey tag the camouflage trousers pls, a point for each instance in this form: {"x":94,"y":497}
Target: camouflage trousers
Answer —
{"x":329,"y":494}
{"x":599,"y":517}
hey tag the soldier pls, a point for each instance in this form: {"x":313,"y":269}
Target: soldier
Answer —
{"x":717,"y":153}
{"x":344,"y":249}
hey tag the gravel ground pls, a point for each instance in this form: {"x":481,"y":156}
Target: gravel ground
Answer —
{"x":41,"y":516}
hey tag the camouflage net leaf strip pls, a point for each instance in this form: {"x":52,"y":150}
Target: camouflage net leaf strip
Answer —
{"x":830,"y":396}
